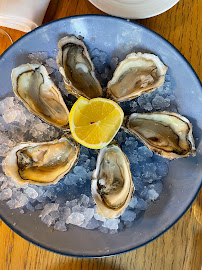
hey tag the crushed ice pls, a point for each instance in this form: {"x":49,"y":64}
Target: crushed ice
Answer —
{"x":70,"y":201}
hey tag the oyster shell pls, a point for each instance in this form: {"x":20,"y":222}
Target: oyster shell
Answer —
{"x":112,"y":186}
{"x":41,"y":163}
{"x":77,"y":69}
{"x":139,"y":73}
{"x":166,"y":133}
{"x":39,"y":94}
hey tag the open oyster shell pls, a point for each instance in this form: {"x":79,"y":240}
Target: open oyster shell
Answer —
{"x":112,"y":186}
{"x":39,"y":94}
{"x":139,"y":73}
{"x":77,"y":69}
{"x":41,"y":163}
{"x":166,"y":133}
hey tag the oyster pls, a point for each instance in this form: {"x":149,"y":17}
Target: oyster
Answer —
{"x":77,"y":69}
{"x":39,"y":94}
{"x":41,"y":163}
{"x":112,"y":186}
{"x":139,"y":73}
{"x":166,"y":133}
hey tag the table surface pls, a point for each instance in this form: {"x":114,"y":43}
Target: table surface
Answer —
{"x":181,"y":247}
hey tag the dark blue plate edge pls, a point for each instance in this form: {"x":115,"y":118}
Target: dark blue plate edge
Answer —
{"x":171,"y":225}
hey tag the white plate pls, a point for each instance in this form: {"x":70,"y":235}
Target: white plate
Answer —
{"x":134,"y":9}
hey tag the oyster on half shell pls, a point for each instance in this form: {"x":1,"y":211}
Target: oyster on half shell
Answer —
{"x":39,"y":94}
{"x":41,"y":163}
{"x":112,"y":186}
{"x":139,"y":73}
{"x":77,"y":69}
{"x":165,"y":133}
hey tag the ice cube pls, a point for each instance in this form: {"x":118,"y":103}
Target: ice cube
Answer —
{"x":152,"y":195}
{"x":162,"y":169}
{"x":128,"y":224}
{"x":103,"y":229}
{"x":75,"y":219}
{"x":18,"y":202}
{"x":84,"y":200}
{"x":52,"y":63}
{"x":97,"y":63}
{"x":92,"y":224}
{"x":141,"y":101}
{"x":92,"y":164}
{"x":55,"y":214}
{"x":128,"y":215}
{"x":121,"y":226}
{"x":41,"y":127}
{"x":141,"y":204}
{"x":103,"y":57}
{"x":95,"y":52}
{"x":144,"y":153}
{"x":105,"y":74}
{"x":31,"y":193}
{"x":39,"y":206}
{"x":5,"y":194}
{"x":149,"y":171}
{"x":138,"y":183}
{"x":30,"y":207}
{"x":50,"y":207}
{"x":60,"y":226}
{"x":48,"y":220}
{"x":66,"y":213}
{"x":111,"y":224}
{"x":98,"y":217}
{"x":147,"y":106}
{"x":71,"y":179}
{"x":61,"y":86}
{"x":88,"y":213}
{"x":6,"y":104}
{"x":14,"y":114}
{"x":84,"y":151}
{"x":133,"y":202}
{"x":157,"y":187}
{"x":159,"y":103}
{"x":79,"y":170}
{"x":114,"y":63}
{"x":77,"y":208}
{"x":38,"y":56}
{"x":4,"y":149}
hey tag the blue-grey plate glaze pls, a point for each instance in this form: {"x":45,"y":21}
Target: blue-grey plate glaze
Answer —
{"x":116,"y":37}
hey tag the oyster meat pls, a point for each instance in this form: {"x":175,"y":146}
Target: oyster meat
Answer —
{"x":165,"y":133}
{"x":41,"y":163}
{"x":139,"y":73}
{"x":39,"y":94}
{"x":112,"y":186}
{"x":77,"y":69}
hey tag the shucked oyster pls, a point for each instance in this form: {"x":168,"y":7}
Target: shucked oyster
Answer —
{"x":41,"y":163}
{"x":166,"y":133}
{"x":77,"y":69}
{"x":112,"y":186}
{"x":39,"y":94}
{"x":139,"y":73}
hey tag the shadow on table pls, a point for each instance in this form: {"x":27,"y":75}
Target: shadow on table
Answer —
{"x":87,"y":264}
{"x":197,"y":251}
{"x":197,"y":247}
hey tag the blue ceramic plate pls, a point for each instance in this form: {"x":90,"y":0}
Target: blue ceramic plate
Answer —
{"x":116,"y":37}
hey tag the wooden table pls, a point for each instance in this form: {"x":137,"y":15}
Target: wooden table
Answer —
{"x":181,"y":247}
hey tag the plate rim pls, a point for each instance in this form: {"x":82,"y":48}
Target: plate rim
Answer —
{"x":12,"y":227}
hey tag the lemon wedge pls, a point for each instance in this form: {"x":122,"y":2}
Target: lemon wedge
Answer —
{"x":95,"y":122}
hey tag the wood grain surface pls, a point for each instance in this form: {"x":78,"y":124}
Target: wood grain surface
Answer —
{"x":181,"y":247}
